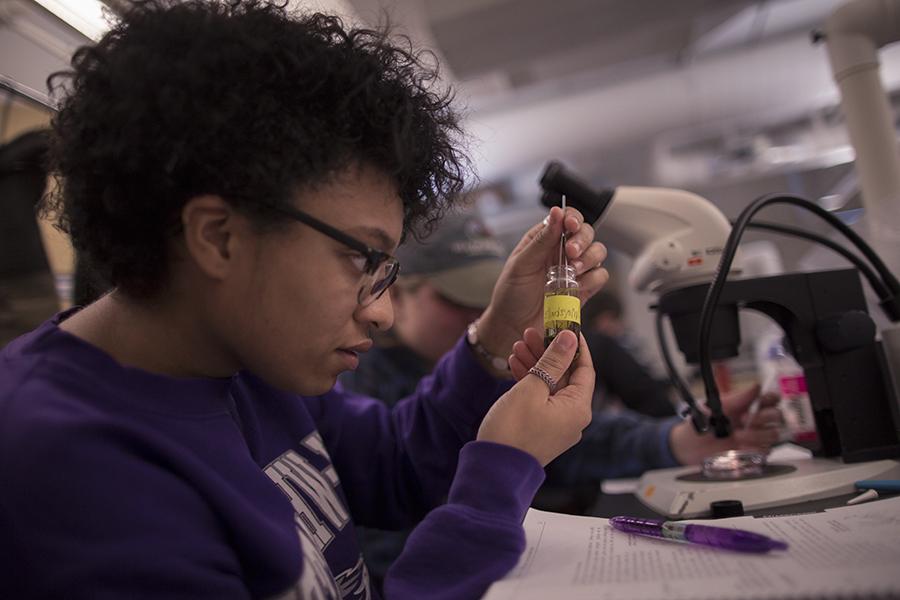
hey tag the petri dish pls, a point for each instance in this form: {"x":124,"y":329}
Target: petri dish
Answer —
{"x":734,"y":464}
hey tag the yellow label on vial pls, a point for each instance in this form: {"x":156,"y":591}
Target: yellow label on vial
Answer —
{"x":562,"y":308}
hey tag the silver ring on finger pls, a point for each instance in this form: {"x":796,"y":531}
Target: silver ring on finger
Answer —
{"x":544,"y":376}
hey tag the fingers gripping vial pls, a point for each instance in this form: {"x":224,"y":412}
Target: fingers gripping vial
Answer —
{"x":562,"y":307}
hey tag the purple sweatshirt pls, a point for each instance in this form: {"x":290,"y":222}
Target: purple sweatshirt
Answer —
{"x":118,"y":483}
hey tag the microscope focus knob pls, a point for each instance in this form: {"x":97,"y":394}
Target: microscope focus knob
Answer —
{"x":845,"y":331}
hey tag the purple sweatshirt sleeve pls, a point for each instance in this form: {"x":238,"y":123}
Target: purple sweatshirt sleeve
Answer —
{"x":474,"y":539}
{"x":396,"y":465}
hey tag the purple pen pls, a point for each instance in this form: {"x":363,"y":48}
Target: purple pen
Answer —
{"x":718,"y":537}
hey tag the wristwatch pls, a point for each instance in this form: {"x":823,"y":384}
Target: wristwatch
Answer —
{"x":496,"y":362}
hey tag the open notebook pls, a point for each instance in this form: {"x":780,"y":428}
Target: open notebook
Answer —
{"x":846,"y":552}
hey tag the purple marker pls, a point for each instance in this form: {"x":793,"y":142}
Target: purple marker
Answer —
{"x":718,"y":537}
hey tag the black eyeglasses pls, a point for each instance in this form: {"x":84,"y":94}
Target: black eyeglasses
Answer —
{"x":381,"y":269}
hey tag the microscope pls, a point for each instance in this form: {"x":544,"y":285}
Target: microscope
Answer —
{"x":686,"y":252}
{"x":677,"y":239}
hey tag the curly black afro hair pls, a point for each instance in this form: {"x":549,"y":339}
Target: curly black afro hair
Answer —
{"x":242,"y":100}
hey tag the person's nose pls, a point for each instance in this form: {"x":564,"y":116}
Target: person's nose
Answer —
{"x":379,"y":314}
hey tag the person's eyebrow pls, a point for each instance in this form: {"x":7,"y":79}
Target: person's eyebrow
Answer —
{"x":384,"y":241}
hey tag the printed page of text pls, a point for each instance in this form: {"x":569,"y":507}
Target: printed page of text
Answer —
{"x":841,"y":552}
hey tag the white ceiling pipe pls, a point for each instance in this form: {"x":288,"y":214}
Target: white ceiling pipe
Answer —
{"x":788,"y":77}
{"x":854,"y":33}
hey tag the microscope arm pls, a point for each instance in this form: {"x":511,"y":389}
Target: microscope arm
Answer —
{"x":676,"y":237}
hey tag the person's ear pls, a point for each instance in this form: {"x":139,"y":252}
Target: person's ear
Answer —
{"x":209,"y":228}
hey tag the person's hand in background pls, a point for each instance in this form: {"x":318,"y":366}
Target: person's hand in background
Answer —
{"x":757,"y":429}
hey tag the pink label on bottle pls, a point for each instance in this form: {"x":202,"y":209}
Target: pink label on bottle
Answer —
{"x":792,"y":385}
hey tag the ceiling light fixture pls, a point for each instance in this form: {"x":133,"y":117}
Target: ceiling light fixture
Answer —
{"x":87,"y":16}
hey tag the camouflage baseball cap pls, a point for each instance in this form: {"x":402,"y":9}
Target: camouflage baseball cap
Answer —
{"x":461,"y":259}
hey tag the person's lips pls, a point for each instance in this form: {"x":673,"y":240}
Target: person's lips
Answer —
{"x":350,"y":354}
{"x":363,"y":346}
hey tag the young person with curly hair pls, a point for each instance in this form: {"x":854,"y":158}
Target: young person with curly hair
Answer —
{"x":240,"y":177}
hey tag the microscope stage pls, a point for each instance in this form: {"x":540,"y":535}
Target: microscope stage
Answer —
{"x":681,"y":494}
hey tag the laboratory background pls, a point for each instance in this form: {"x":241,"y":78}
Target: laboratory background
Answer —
{"x":729,"y":99}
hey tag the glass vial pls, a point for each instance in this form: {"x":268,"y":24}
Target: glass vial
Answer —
{"x":562,"y":308}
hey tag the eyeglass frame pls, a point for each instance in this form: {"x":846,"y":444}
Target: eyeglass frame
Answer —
{"x":374,"y":258}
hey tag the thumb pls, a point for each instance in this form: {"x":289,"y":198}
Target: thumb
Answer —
{"x":556,"y":359}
